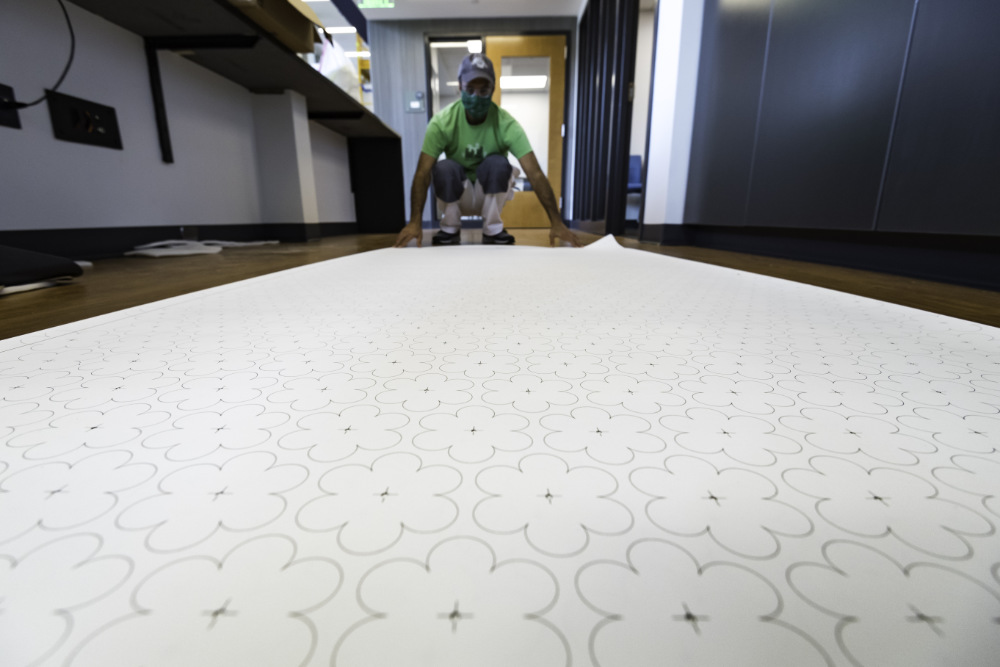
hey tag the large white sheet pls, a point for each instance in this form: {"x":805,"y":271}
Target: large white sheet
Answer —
{"x":502,"y":456}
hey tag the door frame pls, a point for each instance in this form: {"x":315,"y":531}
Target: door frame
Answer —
{"x":571,"y":85}
{"x":608,"y":36}
{"x":526,"y":209}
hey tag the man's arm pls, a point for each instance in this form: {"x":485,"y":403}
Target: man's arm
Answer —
{"x":540,"y":184}
{"x":418,"y":197}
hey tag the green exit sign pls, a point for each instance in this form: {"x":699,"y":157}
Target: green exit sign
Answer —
{"x":376,"y":4}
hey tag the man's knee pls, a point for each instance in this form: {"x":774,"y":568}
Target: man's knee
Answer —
{"x":449,"y":178}
{"x":494,"y":174}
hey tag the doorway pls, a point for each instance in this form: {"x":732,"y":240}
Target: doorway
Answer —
{"x":531,"y":85}
{"x":531,"y":71}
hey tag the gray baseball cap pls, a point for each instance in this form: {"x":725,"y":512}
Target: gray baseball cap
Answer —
{"x":475,"y":66}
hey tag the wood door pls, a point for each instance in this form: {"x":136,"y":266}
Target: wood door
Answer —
{"x":512,"y":55}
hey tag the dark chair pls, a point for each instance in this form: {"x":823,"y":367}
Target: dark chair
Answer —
{"x":634,"y":174}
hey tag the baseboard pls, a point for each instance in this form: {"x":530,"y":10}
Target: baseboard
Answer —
{"x":961,"y":260}
{"x":664,"y":234}
{"x":103,"y":242}
{"x":338,"y":228}
{"x":589,"y":226}
{"x":93,"y":243}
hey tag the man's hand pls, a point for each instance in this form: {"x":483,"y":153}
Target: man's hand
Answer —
{"x":543,"y":189}
{"x":418,"y":195}
{"x":561,"y":231}
{"x":408,"y":233}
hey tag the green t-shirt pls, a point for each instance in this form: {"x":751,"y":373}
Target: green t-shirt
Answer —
{"x":450,"y":133}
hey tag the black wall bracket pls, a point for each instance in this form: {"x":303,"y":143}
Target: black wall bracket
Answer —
{"x":187,"y":43}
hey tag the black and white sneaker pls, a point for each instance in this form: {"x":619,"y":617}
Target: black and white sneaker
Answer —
{"x":447,"y":238}
{"x":503,"y":238}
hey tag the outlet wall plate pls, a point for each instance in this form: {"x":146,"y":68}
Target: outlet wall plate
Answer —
{"x":8,"y":117}
{"x":83,"y":121}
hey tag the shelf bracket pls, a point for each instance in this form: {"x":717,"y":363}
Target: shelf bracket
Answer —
{"x":336,"y":115}
{"x":183,"y":43}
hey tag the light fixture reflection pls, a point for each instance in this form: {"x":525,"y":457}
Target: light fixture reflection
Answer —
{"x":523,"y":82}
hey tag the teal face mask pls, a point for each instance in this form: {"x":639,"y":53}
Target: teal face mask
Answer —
{"x":477,"y":107}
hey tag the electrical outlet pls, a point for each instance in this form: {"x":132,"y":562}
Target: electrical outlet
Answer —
{"x":82,"y":121}
{"x":8,"y":117}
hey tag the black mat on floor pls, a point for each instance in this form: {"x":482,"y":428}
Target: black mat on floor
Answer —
{"x":20,"y":267}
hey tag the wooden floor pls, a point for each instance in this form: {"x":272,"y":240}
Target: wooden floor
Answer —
{"x":114,"y":284}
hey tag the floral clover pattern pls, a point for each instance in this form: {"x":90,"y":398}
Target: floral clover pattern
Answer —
{"x":426,"y":392}
{"x":91,"y":429}
{"x":208,"y":392}
{"x":749,"y":440}
{"x":480,"y":364}
{"x":315,"y":393}
{"x":60,"y":496}
{"x":879,"y":439}
{"x":556,"y":508}
{"x":750,"y":396}
{"x":850,"y":394}
{"x":642,"y":396}
{"x":331,"y":436}
{"x":94,"y":393}
{"x":370,"y":508}
{"x":970,"y":433}
{"x":19,"y":415}
{"x":194,"y":502}
{"x":203,"y":433}
{"x":473,"y":434}
{"x":40,"y":592}
{"x":460,"y":607}
{"x":884,"y":501}
{"x":935,"y":614}
{"x":230,"y":609}
{"x":691,"y":497}
{"x":605,"y":438}
{"x":665,"y":602}
{"x":528,"y":393}
{"x":320,"y":467}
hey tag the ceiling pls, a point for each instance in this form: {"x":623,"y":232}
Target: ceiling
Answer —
{"x":456,"y":9}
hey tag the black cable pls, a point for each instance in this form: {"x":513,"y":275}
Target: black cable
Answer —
{"x":69,"y":63}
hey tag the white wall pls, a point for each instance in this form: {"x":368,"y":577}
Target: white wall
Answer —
{"x":642,"y":78}
{"x":675,"y":80}
{"x":329,"y":152}
{"x":46,"y":183}
{"x":531,"y":109}
{"x":284,"y":159}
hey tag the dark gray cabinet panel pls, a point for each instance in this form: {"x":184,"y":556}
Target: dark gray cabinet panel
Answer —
{"x":944,"y":169}
{"x":833,"y":72}
{"x":732,"y":62}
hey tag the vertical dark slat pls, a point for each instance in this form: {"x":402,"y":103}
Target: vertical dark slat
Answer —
{"x":895,"y":116}
{"x":826,"y":112}
{"x":593,"y":77}
{"x":585,"y":136}
{"x":582,"y":118}
{"x":608,"y":32}
{"x":944,"y":168}
{"x":760,"y":105}
{"x":605,"y":91}
{"x":734,"y":38}
{"x":626,"y":33}
{"x":159,"y":106}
